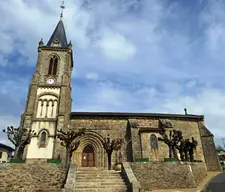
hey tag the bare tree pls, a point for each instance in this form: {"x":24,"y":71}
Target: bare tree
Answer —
{"x":172,"y":141}
{"x":111,"y":146}
{"x":20,"y":138}
{"x":68,"y":140}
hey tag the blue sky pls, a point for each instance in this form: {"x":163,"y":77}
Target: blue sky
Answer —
{"x":129,"y":55}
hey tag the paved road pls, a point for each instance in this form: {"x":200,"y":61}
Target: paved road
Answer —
{"x":217,"y":184}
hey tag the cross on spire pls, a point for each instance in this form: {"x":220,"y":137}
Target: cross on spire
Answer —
{"x":62,"y":6}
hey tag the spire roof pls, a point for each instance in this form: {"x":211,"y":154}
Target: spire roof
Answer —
{"x":58,"y":38}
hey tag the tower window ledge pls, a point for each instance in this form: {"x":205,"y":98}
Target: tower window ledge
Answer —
{"x":29,"y":114}
{"x":43,"y":85}
{"x":62,"y":49}
{"x":45,"y":119}
{"x":47,"y":76}
{"x":49,"y":136}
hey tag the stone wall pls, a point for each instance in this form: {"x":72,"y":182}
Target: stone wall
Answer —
{"x":169,"y":175}
{"x":199,"y":172}
{"x":209,"y":148}
{"x":139,"y":129}
{"x":104,"y":126}
{"x":31,"y":177}
{"x":189,"y":129}
{"x":96,"y":130}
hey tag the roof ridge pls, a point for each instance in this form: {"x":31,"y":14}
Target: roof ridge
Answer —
{"x":165,"y":115}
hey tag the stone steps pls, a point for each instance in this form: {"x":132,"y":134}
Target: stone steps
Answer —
{"x":99,"y":189}
{"x":117,"y":180}
{"x":98,"y":174}
{"x":97,"y":177}
{"x":99,"y":183}
{"x":99,"y":180}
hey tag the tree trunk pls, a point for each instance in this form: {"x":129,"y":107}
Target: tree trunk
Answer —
{"x":191,"y":155}
{"x":116,"y":157}
{"x":68,"y":156}
{"x":109,"y":160}
{"x":170,"y":151}
{"x":181,"y":155}
{"x":174,"y":152}
{"x":16,"y":153}
{"x":186,"y":156}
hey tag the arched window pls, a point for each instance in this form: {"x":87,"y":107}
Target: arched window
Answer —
{"x":154,"y":147}
{"x":50,"y":66}
{"x":43,"y":139}
{"x":47,"y":106}
{"x":55,"y":66}
{"x":154,"y":142}
{"x":52,"y":70}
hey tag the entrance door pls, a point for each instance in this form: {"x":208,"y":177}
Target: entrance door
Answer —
{"x":88,"y":157}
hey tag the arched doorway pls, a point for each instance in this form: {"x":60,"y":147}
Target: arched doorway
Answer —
{"x":88,"y":157}
{"x":92,"y":139}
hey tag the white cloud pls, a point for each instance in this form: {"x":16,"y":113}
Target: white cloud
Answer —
{"x":191,"y":84}
{"x":210,"y":102}
{"x":92,"y":76}
{"x":115,"y":46}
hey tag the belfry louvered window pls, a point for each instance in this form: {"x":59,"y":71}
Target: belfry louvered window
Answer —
{"x":52,"y":70}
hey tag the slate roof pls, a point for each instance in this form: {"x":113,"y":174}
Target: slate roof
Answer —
{"x":137,"y":115}
{"x":6,"y":147}
{"x":59,"y":35}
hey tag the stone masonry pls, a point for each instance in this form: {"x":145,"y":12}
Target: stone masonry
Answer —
{"x":170,"y":175}
{"x":31,"y":177}
{"x":136,"y":131}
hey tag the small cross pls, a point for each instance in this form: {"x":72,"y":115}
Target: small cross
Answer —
{"x":185,"y":111}
{"x":62,"y":7}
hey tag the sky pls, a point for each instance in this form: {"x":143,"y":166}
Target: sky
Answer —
{"x":129,"y":55}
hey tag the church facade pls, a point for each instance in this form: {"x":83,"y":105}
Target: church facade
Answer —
{"x":48,"y":109}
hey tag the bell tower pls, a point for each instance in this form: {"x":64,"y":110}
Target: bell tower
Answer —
{"x":48,"y":103}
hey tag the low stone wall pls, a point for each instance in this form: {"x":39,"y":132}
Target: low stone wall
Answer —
{"x":169,"y":175}
{"x":128,"y":175}
{"x":199,"y":171}
{"x":71,"y":179}
{"x":31,"y":177}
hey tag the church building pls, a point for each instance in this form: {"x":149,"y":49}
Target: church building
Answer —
{"x":48,"y":109}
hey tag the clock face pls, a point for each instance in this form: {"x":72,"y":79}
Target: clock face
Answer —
{"x":50,"y":81}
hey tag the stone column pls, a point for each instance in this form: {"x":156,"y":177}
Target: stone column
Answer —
{"x":136,"y":145}
{"x":27,"y":123}
{"x":58,"y":148}
{"x":31,"y":98}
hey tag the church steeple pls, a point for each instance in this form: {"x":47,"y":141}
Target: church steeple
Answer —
{"x":49,"y":100}
{"x":58,"y":38}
